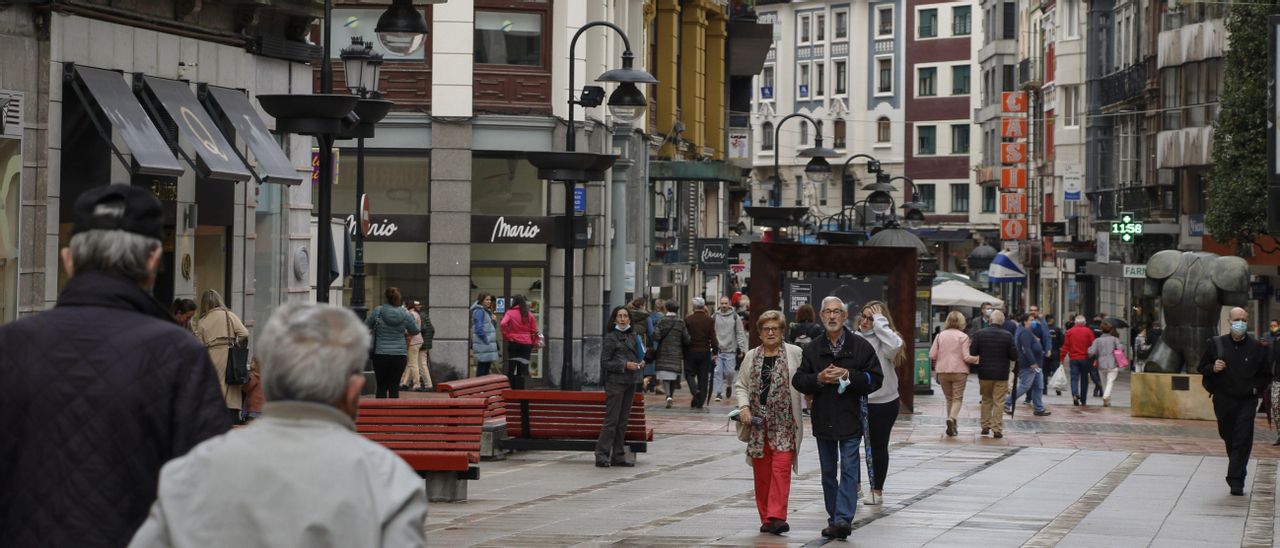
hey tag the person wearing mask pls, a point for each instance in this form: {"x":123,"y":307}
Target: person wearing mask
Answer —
{"x":652,"y":385}
{"x":391,"y":326}
{"x":520,"y":330}
{"x":731,"y":341}
{"x":417,"y":372}
{"x":484,"y":334}
{"x":1141,"y":349}
{"x":218,"y":328}
{"x":876,"y":326}
{"x":1054,"y":360}
{"x":183,"y":311}
{"x":1235,"y":369}
{"x":839,"y":371}
{"x":100,"y":391}
{"x":621,"y":359}
{"x":1041,"y":331}
{"x":994,"y":347}
{"x":981,"y":320}
{"x":763,"y":391}
{"x":1273,"y":333}
{"x":672,"y":337}
{"x":1030,"y":361}
{"x":1075,"y":350}
{"x":702,"y":340}
{"x":1103,"y":350}
{"x":300,"y":475}
{"x":806,"y":327}
{"x":950,"y":354}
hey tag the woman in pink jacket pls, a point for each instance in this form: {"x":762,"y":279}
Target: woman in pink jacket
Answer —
{"x":520,"y":330}
{"x":950,"y":354}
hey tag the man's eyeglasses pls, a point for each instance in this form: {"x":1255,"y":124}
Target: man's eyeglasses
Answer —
{"x":832,"y":312}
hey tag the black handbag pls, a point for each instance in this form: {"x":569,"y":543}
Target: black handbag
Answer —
{"x":373,"y":332}
{"x":237,"y":358}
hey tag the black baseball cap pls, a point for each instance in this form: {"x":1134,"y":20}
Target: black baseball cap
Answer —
{"x":142,"y":215}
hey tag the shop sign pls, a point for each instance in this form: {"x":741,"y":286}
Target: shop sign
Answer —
{"x":1053,"y":229}
{"x":1013,"y":101}
{"x":712,"y":254}
{"x":579,"y":199}
{"x":392,"y":228}
{"x":1135,"y":271}
{"x":505,"y":229}
{"x":1195,"y":225}
{"x":1071,"y":186}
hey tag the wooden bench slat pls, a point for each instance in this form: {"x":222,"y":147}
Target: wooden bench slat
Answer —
{"x":464,"y":412}
{"x":444,"y":461}
{"x":465,"y":421}
{"x":422,"y":403}
{"x":428,"y":446}
{"x":442,"y":438}
{"x":419,"y":429}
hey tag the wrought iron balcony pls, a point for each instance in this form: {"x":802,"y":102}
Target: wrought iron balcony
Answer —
{"x":1124,"y":85}
{"x":1148,"y":201}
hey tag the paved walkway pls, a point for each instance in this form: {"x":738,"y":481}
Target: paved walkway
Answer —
{"x":1082,"y":477}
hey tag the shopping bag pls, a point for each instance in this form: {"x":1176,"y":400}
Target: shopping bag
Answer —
{"x":1059,"y":381}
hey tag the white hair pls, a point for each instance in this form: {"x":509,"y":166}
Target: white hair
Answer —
{"x":1080,"y":319}
{"x":112,"y":252}
{"x":699,"y":302}
{"x":997,"y":317}
{"x":829,"y":299}
{"x":308,"y":352}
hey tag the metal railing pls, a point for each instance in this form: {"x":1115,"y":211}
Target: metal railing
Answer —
{"x":1123,"y":85}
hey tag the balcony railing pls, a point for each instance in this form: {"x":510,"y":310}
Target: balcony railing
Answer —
{"x":1149,"y":201}
{"x":1124,"y":85}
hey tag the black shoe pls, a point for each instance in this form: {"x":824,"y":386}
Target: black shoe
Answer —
{"x":843,"y":530}
{"x":766,"y":527}
{"x":998,"y":435}
{"x":986,"y":431}
{"x":1043,"y":413}
{"x":602,"y":465}
{"x":1059,"y":392}
{"x":778,"y":527}
{"x":1075,"y":400}
{"x":1008,"y":410}
{"x":1277,"y":442}
{"x":1237,"y":488}
{"x":829,"y":532}
{"x":623,"y":464}
{"x":1097,"y":393}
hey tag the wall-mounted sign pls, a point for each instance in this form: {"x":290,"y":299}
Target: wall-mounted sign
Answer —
{"x":804,"y":90}
{"x":1012,"y":178}
{"x":1013,"y":128}
{"x":506,"y":229}
{"x":712,"y":254}
{"x":1195,"y":225}
{"x":1013,"y":229}
{"x":1127,"y":228}
{"x":1013,"y":202}
{"x":766,"y":92}
{"x":1137,"y":271}
{"x":392,"y":228}
{"x":315,"y":165}
{"x":739,"y":144}
{"x":1013,"y":101}
{"x":1053,"y":229}
{"x":1013,"y":153}
{"x":579,"y":199}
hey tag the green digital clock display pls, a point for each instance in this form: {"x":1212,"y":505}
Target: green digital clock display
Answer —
{"x":1127,"y":228}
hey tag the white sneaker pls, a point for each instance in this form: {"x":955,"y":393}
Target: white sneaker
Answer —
{"x":874,"y":499}
{"x":668,"y":402}
{"x":717,"y":397}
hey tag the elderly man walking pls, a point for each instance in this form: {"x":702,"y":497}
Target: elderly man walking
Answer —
{"x":1236,"y":370}
{"x":731,"y":340}
{"x":839,"y":371}
{"x":328,"y":486}
{"x":99,"y":392}
{"x":995,"y":349}
{"x":697,"y":362}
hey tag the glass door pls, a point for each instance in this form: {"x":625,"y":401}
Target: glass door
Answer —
{"x":506,"y":281}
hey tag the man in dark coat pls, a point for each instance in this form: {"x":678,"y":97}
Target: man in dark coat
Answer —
{"x":99,"y":392}
{"x":697,"y":363}
{"x":995,"y":351}
{"x":838,"y":370}
{"x":1236,"y":371}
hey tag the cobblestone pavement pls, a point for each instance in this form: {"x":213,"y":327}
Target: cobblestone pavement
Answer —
{"x":1089,"y":476}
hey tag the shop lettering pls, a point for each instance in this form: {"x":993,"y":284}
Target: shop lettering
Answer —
{"x":385,"y":229}
{"x":503,"y":230}
{"x":712,"y":255}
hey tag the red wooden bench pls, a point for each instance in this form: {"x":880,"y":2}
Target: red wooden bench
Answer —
{"x":439,"y":438}
{"x":488,"y":387}
{"x":566,"y":421}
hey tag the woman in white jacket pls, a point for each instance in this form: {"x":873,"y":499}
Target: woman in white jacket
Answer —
{"x":876,"y":326}
{"x":764,"y":392}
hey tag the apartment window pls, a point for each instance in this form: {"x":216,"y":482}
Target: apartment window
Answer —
{"x":884,"y":130}
{"x":884,"y":17}
{"x":508,"y":38}
{"x":1192,"y":96}
{"x":841,"y":20}
{"x":960,"y":198}
{"x":820,"y":79}
{"x":1071,"y":11}
{"x":989,"y":199}
{"x":1009,"y":20}
{"x":766,"y":136}
{"x":960,"y":20}
{"x":960,"y":80}
{"x":838,"y":133}
{"x":1212,"y":69}
{"x":766,"y":84}
{"x":804,"y":29}
{"x":802,"y":83}
{"x":885,"y":85}
{"x":804,"y":132}
{"x":960,"y":139}
{"x":926,"y":140}
{"x":928,"y":24}
{"x":842,"y":77}
{"x":926,"y":83}
{"x":820,"y":27}
{"x":1070,"y":106}
{"x":928,"y":197}
{"x":1170,"y":90}
{"x":1008,"y":78}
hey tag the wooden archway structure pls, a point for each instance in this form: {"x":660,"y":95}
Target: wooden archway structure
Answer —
{"x":770,"y":260}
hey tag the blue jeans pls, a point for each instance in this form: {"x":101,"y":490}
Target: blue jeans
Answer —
{"x":841,"y":497}
{"x":1029,"y":380}
{"x":1080,"y":378}
{"x":723,"y":376}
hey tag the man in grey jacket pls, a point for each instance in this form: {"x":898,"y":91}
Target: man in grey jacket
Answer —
{"x":731,"y":340}
{"x":300,"y":475}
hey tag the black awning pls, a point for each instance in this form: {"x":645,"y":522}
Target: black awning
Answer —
{"x":233,"y":107}
{"x":215,"y":157}
{"x":749,"y":44}
{"x":112,"y":105}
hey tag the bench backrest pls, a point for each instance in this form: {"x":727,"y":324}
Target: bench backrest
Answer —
{"x":488,"y":387}
{"x":566,"y":415}
{"x":453,"y":424}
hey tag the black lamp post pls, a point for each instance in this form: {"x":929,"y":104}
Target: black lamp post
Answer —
{"x":363,"y":67}
{"x":818,"y":170}
{"x":626,"y":104}
{"x":401,"y":29}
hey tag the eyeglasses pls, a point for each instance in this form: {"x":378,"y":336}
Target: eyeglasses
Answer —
{"x":832,"y":312}
{"x":771,"y":329}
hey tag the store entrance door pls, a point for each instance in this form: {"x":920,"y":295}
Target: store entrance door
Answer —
{"x":504,"y":281}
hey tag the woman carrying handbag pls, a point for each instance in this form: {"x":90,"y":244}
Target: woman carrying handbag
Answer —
{"x":220,"y":330}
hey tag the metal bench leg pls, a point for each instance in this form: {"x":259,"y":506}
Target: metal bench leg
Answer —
{"x":445,"y":487}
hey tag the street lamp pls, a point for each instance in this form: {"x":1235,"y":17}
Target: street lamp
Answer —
{"x":363,"y":66}
{"x":818,"y":170}
{"x":913,"y":210}
{"x":401,"y":29}
{"x":627,"y":104}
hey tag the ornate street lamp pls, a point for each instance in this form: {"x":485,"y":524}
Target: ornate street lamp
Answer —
{"x":818,"y":170}
{"x":363,"y":67}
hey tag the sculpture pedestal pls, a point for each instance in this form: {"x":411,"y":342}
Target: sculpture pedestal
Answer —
{"x":1169,"y":396}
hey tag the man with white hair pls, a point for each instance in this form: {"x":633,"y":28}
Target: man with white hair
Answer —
{"x":697,"y":363}
{"x":99,"y":392}
{"x":995,"y":349}
{"x":1075,"y":351}
{"x":300,"y":475}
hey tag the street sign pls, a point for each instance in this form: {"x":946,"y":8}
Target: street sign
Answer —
{"x":1013,"y":153}
{"x":1013,"y":178}
{"x":579,"y":199}
{"x":1135,"y":271}
{"x":1053,"y":229}
{"x":1013,"y":128}
{"x":1127,"y":228}
{"x":1013,"y":202}
{"x":1013,"y":101}
{"x":1013,"y":229}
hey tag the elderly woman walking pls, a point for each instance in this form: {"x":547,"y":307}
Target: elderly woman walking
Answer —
{"x":769,"y":419}
{"x":217,"y":329}
{"x":621,"y":359}
{"x":950,"y":353}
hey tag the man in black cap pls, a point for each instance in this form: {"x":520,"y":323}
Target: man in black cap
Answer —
{"x":99,"y":392}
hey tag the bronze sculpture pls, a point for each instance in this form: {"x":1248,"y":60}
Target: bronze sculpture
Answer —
{"x":1192,"y":287}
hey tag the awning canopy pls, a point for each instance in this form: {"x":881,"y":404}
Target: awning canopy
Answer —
{"x":662,"y":170}
{"x":955,"y":293}
{"x":112,"y":106}
{"x":215,"y":157}
{"x":1004,"y":268}
{"x":232,"y":106}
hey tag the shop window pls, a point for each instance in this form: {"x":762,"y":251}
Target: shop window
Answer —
{"x":508,"y":38}
{"x":268,"y":247}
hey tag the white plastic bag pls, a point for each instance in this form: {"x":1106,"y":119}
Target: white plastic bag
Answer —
{"x":1059,"y":381}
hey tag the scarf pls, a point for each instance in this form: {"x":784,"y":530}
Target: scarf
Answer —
{"x":779,"y":425}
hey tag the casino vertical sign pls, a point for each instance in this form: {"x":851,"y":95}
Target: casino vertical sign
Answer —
{"x":1013,"y":166}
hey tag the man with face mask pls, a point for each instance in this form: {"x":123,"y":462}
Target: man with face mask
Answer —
{"x":1236,"y":370}
{"x":981,"y":319}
